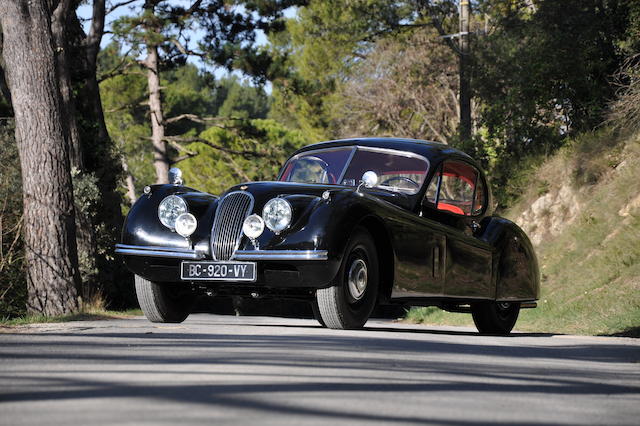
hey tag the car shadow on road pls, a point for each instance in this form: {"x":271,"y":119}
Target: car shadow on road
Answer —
{"x":416,"y":329}
{"x":284,"y":369}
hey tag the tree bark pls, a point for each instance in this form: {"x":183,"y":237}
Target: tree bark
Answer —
{"x":160,"y":157}
{"x":49,"y":221}
{"x":85,"y":231}
{"x":465,"y":86}
{"x":92,"y":48}
{"x":161,"y":161}
{"x":131,"y":187}
{"x":58,"y":30}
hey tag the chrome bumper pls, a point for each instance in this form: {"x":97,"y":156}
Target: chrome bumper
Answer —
{"x":153,"y":251}
{"x":179,"y":253}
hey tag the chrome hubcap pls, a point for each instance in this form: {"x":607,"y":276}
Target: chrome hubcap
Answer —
{"x":357,"y":279}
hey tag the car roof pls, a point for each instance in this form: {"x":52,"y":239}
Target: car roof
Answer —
{"x":433,"y":151}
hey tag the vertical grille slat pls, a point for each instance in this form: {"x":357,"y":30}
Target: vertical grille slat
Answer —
{"x":226,"y":232}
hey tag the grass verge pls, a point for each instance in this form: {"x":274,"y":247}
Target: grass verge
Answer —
{"x":90,"y":315}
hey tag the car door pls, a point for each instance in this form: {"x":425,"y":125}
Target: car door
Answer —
{"x":456,"y":198}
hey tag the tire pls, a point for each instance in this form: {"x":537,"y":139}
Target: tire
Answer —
{"x":494,"y":317}
{"x":162,"y":302}
{"x":348,"y":304}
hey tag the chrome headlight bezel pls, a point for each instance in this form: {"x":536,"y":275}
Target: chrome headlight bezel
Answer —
{"x":169,"y":209}
{"x":277,"y":214}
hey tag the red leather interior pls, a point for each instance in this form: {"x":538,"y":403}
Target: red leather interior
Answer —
{"x":450,"y":208}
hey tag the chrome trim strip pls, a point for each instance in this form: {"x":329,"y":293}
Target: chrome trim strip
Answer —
{"x":346,"y":166}
{"x":152,"y":251}
{"x":281,"y":255}
{"x":182,"y":253}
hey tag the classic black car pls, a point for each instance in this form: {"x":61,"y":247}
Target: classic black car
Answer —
{"x":347,"y":225}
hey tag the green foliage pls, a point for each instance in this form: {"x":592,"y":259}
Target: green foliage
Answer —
{"x":186,"y":90}
{"x":243,"y":101}
{"x":13,"y":287}
{"x":544,"y":72}
{"x":213,"y":170}
{"x":326,"y":40}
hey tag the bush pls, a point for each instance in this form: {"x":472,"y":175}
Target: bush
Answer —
{"x":13,"y":288}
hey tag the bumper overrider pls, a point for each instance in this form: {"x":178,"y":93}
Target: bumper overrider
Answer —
{"x":275,"y":268}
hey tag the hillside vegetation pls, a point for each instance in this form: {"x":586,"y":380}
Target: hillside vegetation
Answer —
{"x":581,"y":208}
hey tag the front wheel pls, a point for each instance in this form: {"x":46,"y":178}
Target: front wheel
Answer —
{"x":163,"y":302}
{"x":497,"y":318}
{"x":349,"y":303}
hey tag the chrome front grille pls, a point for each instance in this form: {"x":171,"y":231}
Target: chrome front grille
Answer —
{"x":226,"y":233}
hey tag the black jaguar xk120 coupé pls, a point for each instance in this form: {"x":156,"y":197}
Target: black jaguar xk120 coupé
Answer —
{"x":347,"y":225}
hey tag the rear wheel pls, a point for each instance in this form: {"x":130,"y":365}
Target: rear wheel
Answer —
{"x":349,"y":303}
{"x":496,"y":318}
{"x":163,"y":302}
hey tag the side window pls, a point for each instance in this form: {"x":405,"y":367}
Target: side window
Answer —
{"x":458,"y":193}
{"x":479,"y":202}
{"x":432,"y":189}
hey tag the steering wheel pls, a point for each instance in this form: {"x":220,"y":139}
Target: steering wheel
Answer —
{"x":400,"y":178}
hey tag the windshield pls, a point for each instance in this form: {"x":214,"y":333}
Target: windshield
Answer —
{"x":324,"y":166}
{"x":397,"y":171}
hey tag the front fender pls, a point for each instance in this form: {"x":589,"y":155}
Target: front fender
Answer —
{"x":143,"y":228}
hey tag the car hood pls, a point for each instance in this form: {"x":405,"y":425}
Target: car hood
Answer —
{"x":269,"y":190}
{"x":301,"y":193}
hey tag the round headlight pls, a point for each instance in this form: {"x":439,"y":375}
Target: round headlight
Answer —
{"x":253,"y":226}
{"x":277,"y":214}
{"x":186,"y":224}
{"x":169,"y":210}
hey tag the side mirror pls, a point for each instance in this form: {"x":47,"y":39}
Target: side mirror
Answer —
{"x":369,"y":179}
{"x":175,"y":176}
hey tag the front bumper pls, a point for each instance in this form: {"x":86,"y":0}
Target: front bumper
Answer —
{"x":191,"y":254}
{"x":276,"y":268}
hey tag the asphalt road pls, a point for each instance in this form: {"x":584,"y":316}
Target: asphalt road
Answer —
{"x":256,"y":370}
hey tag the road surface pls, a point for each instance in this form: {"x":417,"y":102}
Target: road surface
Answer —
{"x":274,"y":371}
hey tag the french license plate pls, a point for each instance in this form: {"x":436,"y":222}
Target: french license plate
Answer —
{"x":218,"y":271}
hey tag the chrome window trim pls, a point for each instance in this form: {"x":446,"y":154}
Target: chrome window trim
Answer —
{"x":399,"y":153}
{"x":346,"y":166}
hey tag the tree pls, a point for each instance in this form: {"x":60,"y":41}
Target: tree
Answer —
{"x":49,"y":228}
{"x":407,"y":86}
{"x":329,"y":43}
{"x":192,"y":98}
{"x":238,"y":152}
{"x":160,"y":29}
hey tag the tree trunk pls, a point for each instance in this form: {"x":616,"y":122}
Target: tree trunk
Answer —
{"x":85,"y":233}
{"x":131,"y":188}
{"x":465,"y":86}
{"x":92,"y":48}
{"x":49,"y":221}
{"x":160,"y":158}
{"x":58,"y":30}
